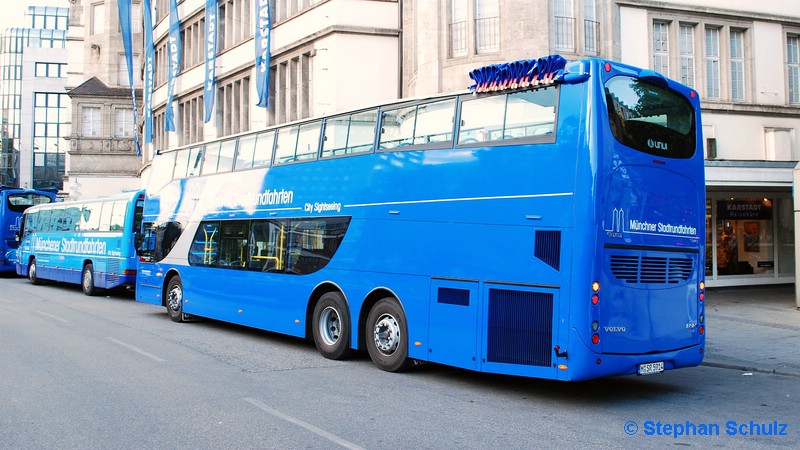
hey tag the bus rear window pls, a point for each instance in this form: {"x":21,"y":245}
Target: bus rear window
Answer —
{"x":21,"y":202}
{"x":650,"y":118}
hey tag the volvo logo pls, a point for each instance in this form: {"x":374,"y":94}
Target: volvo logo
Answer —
{"x":652,"y":143}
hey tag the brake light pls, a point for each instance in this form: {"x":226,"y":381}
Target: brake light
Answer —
{"x":595,"y":299}
{"x":596,"y":337}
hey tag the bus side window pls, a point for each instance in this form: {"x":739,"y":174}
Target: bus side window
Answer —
{"x":72,"y":217}
{"x":90,"y":217}
{"x":204,"y":250}
{"x":57,"y":219}
{"x":267,"y":240}
{"x":233,"y":244}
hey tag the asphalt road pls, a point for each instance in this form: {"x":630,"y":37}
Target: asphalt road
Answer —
{"x":108,"y":372}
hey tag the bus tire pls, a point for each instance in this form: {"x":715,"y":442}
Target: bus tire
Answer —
{"x":32,"y":273}
{"x":386,"y":336}
{"x":174,"y":300}
{"x":87,"y":280}
{"x":331,"y":326}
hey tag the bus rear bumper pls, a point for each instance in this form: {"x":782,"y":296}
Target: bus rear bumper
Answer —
{"x":583,"y":364}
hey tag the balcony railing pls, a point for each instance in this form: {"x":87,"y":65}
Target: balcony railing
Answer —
{"x":487,"y":35}
{"x":591,"y":36}
{"x":457,"y":43}
{"x":565,"y":33}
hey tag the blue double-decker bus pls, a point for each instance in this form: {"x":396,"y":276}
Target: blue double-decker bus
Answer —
{"x":547,"y":223}
{"x":14,"y":202}
{"x":87,"y":242}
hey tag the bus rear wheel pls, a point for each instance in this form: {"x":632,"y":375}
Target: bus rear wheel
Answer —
{"x":175,"y":299}
{"x":331,"y":326}
{"x":386,"y":335}
{"x":87,"y":280}
{"x":32,"y":272}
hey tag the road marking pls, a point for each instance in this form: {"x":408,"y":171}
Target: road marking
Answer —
{"x":319,"y":432}
{"x":53,"y":317}
{"x":136,"y":349}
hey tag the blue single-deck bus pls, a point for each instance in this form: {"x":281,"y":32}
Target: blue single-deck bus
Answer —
{"x":550,"y":223}
{"x":15,"y":202}
{"x":87,"y":242}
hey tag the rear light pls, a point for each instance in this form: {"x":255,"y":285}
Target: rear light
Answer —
{"x":702,"y":285}
{"x":702,"y":329}
{"x":595,"y":299}
{"x":596,"y":337}
{"x":595,"y":286}
{"x":595,"y":326}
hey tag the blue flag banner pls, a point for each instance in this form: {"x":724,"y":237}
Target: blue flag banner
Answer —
{"x":262,"y":52}
{"x":149,"y":67}
{"x":125,"y":28}
{"x":211,"y":56}
{"x":174,"y":45}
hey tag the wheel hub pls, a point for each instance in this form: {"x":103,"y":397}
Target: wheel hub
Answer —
{"x":330,"y":326}
{"x":174,"y":299}
{"x":387,"y":334}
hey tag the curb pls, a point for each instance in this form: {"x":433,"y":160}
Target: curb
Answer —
{"x":749,"y":369}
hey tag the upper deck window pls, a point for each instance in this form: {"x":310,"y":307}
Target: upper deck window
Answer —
{"x":517,"y":115}
{"x":650,"y":118}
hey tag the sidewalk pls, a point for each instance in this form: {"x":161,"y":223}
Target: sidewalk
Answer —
{"x":754,"y":328}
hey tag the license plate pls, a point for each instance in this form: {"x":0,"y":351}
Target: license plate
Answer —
{"x":651,"y":368}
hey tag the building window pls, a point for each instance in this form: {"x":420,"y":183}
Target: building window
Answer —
{"x":122,"y":70}
{"x":98,"y":24}
{"x":737,"y":65}
{"x":50,"y":128}
{"x":91,"y":124}
{"x":487,"y":26}
{"x":457,"y":29}
{"x":591,"y":27}
{"x":191,"y":115}
{"x":286,"y":8}
{"x":687,"y":54}
{"x":136,"y":19}
{"x":194,"y":43}
{"x":123,"y":123}
{"x":233,"y":20}
{"x":793,"y":58}
{"x":712,"y":63}
{"x":564,"y":25}
{"x":233,"y":106}
{"x":159,"y":134}
{"x":661,"y":48}
{"x":50,"y":70}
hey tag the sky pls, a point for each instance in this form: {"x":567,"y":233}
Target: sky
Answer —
{"x":12,"y":12}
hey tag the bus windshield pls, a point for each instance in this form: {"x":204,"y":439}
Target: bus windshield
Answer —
{"x":650,"y":118}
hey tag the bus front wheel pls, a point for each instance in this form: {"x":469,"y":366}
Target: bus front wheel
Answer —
{"x":87,"y":280}
{"x":32,"y":272}
{"x":175,"y":299}
{"x":331,"y":326}
{"x":386,"y":335}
